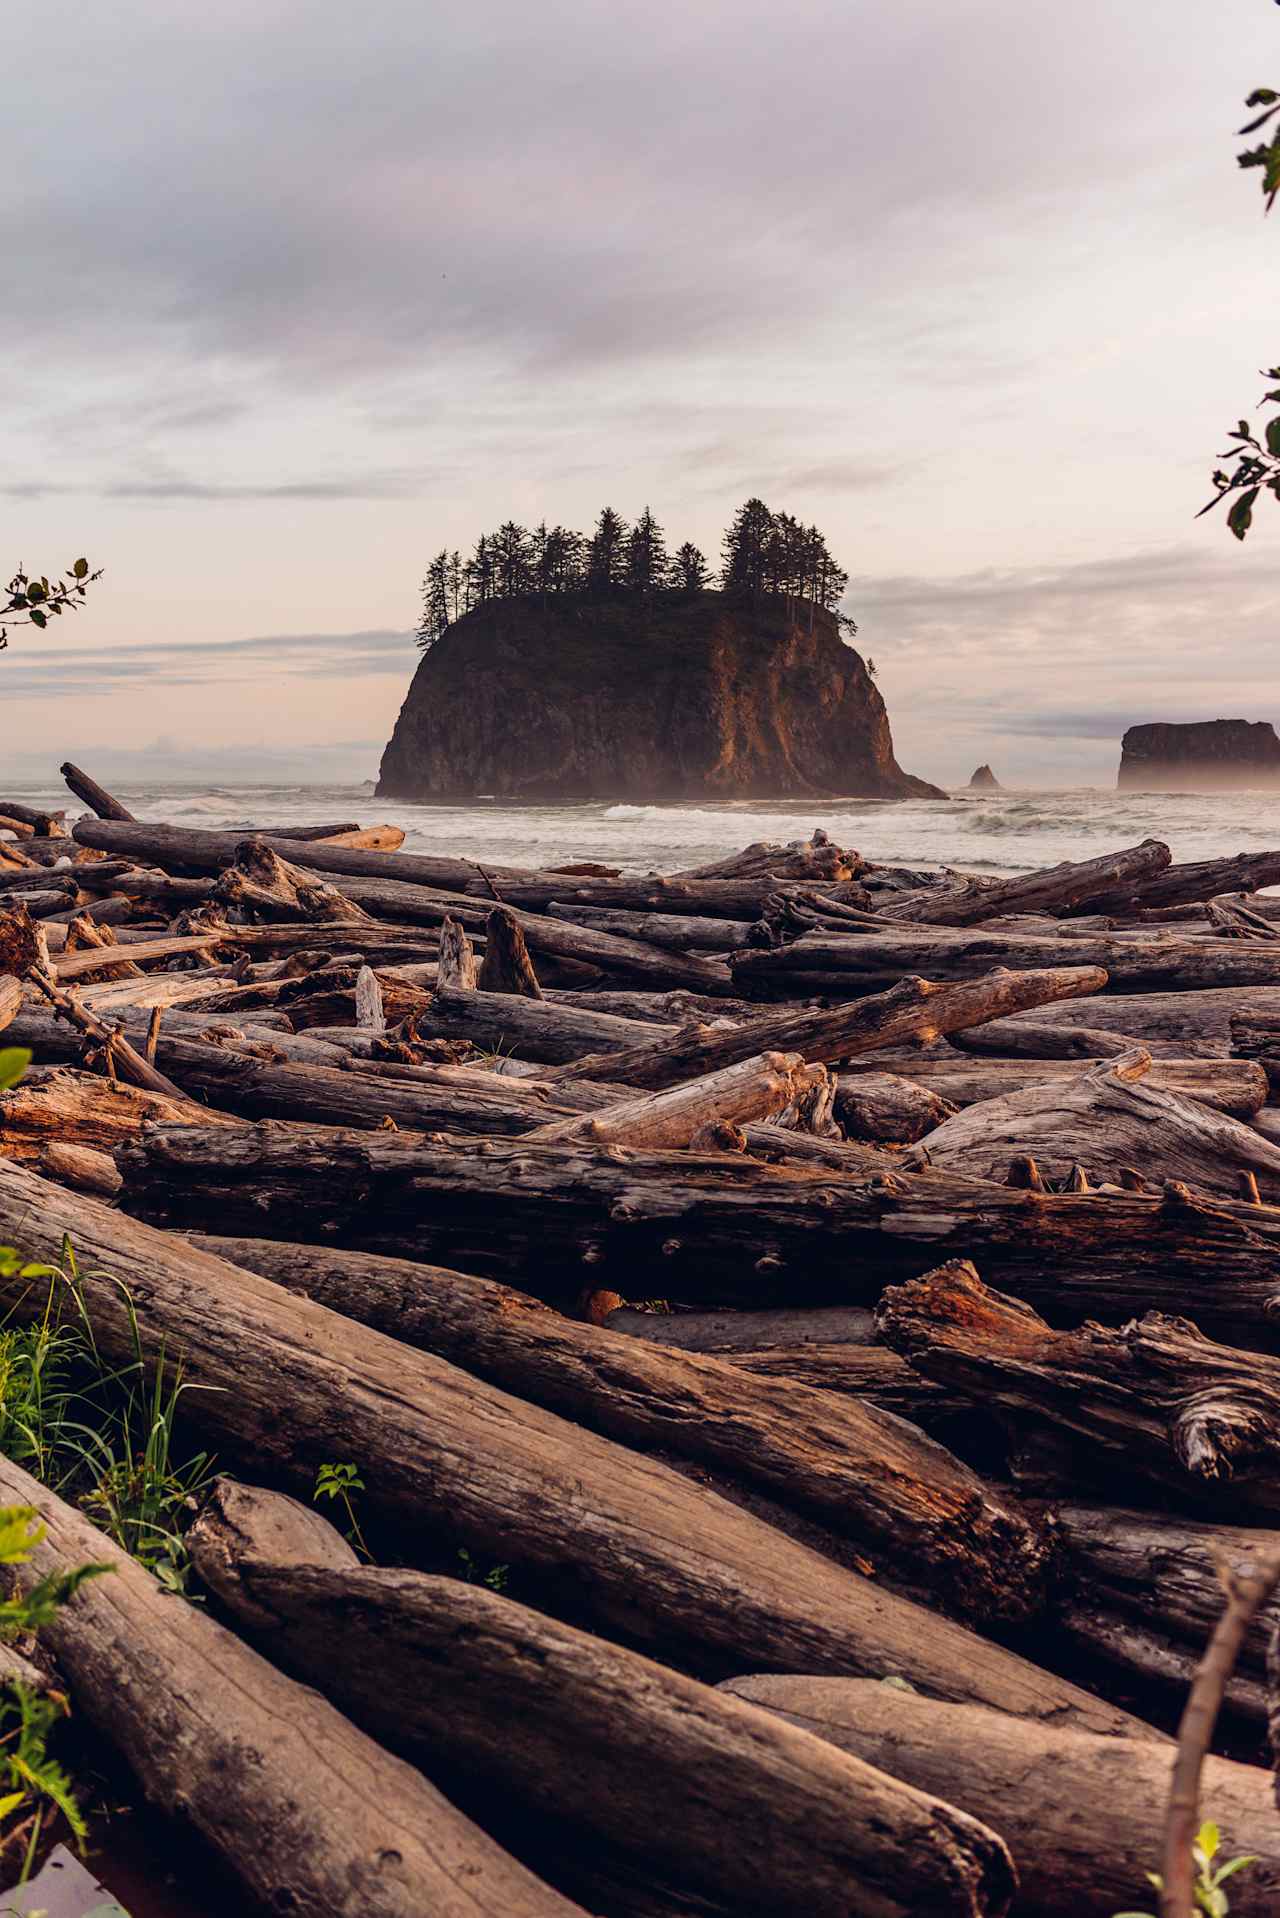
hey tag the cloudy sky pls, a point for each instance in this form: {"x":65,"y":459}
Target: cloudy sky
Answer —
{"x":297,"y":293}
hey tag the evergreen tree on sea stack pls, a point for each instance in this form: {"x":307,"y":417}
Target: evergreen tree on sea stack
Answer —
{"x":764,"y":555}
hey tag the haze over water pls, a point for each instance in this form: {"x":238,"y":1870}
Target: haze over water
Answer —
{"x":1004,"y":832}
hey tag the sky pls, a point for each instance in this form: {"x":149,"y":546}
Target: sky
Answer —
{"x":297,"y":294}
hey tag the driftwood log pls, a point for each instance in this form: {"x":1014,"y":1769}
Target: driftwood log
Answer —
{"x":1153,"y":1397}
{"x":1103,"y":1117}
{"x":912,"y":1009}
{"x":1057,"y":889}
{"x":865,"y":1472}
{"x":1235,"y":1086}
{"x":709,"y":1227}
{"x":295,"y":1385}
{"x":756,"y":1818}
{"x":1050,"y":1793}
{"x":311,"y":1815}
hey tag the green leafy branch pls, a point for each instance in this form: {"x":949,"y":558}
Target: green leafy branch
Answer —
{"x":339,"y":1481}
{"x":1210,"y":1898}
{"x":33,"y":600}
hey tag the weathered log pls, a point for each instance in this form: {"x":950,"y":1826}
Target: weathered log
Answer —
{"x":751,"y":1090}
{"x":10,"y":999}
{"x":680,"y":931}
{"x":759,"y":1818}
{"x":715,"y":1228}
{"x":1255,"y":1034}
{"x":56,"y":1104}
{"x":879,"y":1105}
{"x":726,"y":1332}
{"x":1146,"y":1593}
{"x":1153,"y":1397}
{"x":1198,"y":880}
{"x":669,"y":1009}
{"x":81,"y":1167}
{"x":913,"y":1008}
{"x":868,"y":959}
{"x":89,"y":960}
{"x":870,"y":1372}
{"x":865,"y":1472}
{"x":122,"y":1056}
{"x":1105,"y":1116}
{"x":49,"y":825}
{"x":311,"y":1815}
{"x":91,"y":794}
{"x":457,"y":962}
{"x":1057,"y":889}
{"x":549,"y":1032}
{"x":1239,"y":1089}
{"x":642,"y":1548}
{"x":817,"y":857}
{"x":507,"y":965}
{"x":1049,"y":1793}
{"x":187,"y":849}
{"x":1174,"y":1024}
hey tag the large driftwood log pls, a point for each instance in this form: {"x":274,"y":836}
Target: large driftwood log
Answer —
{"x":10,"y":999}
{"x":757,"y":1818}
{"x":680,"y":931}
{"x":864,"y":1471}
{"x":638,"y":1546}
{"x":311,"y":1815}
{"x":1107,"y":1116}
{"x":549,"y":1032}
{"x":1027,"y":1036}
{"x":884,"y":1106}
{"x":1174,"y":1024}
{"x":1237,"y":1087}
{"x":1050,"y":1793}
{"x":56,"y":1105}
{"x":1056,"y":889}
{"x":91,"y":794}
{"x":866,"y":961}
{"x":1196,"y":881}
{"x":710,"y":1227}
{"x":1153,"y":1397}
{"x":752,"y":1090}
{"x":912,"y":1009}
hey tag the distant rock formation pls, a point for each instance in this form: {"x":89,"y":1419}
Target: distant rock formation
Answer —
{"x":697,"y":696}
{"x":984,"y":781}
{"x":1209,"y":755}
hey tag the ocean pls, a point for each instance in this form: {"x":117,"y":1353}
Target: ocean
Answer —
{"x":1004,"y":832}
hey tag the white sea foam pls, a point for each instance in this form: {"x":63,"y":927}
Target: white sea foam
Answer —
{"x":991,"y":832}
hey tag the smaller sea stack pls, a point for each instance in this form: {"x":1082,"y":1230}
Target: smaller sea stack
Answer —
{"x":984,"y":781}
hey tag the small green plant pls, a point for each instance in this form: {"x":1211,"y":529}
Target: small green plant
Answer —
{"x":495,"y":1578}
{"x":1210,"y":1898}
{"x":339,"y":1481}
{"x":34,"y":1779}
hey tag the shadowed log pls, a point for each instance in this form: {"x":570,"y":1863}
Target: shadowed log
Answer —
{"x":638,"y":1546}
{"x":311,"y":1814}
{"x":1049,"y":1792}
{"x":507,"y":965}
{"x":1154,"y":1397}
{"x":1238,"y":1087}
{"x":715,"y":1227}
{"x":752,"y":1090}
{"x":865,"y":1472}
{"x":756,"y":1819}
{"x":91,"y":794}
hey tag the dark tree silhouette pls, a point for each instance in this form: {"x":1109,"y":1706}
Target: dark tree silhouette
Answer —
{"x":647,"y":563}
{"x":607,"y":553}
{"x":512,"y":571}
{"x":689,"y":568}
{"x":32,"y":600}
{"x":435,"y":602}
{"x":479,"y":573}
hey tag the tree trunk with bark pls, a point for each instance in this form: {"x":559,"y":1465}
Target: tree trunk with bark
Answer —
{"x":1154,"y":1397}
{"x":311,"y":1815}
{"x":757,"y":1818}
{"x":638,"y":1546}
{"x":1082,"y":1816}
{"x":507,"y":966}
{"x":866,"y":1473}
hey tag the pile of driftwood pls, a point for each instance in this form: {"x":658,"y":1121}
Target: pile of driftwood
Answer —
{"x":852,"y":1358}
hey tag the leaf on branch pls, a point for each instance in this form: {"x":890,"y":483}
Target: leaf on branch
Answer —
{"x":1240,"y":518}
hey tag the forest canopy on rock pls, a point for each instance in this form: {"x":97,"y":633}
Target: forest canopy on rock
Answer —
{"x":762,"y":553}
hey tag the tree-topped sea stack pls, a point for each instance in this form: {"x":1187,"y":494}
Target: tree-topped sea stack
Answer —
{"x":563,"y":668}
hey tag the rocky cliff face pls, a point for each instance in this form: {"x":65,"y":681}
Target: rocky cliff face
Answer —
{"x":691,"y":698}
{"x":1211,"y":755}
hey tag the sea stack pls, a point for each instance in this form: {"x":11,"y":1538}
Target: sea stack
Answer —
{"x":1209,"y":755}
{"x":984,"y":781}
{"x":694,"y":696}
